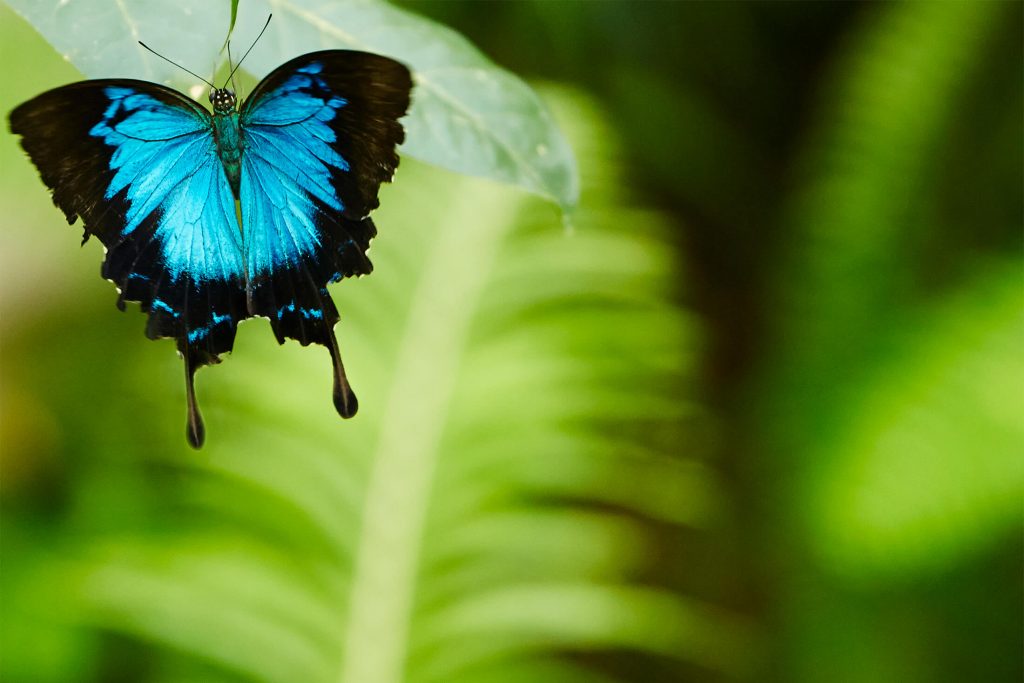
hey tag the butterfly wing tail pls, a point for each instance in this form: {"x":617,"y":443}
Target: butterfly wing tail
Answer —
{"x":297,"y":302}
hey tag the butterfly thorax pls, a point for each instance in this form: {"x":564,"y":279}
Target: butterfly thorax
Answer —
{"x":227,"y":134}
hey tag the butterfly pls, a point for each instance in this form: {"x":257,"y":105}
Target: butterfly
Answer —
{"x":209,"y":219}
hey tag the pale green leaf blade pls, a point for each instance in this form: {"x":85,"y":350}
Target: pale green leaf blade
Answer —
{"x":101,"y":38}
{"x":468,"y":115}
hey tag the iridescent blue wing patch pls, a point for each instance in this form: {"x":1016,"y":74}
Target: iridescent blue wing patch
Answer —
{"x":138,"y":163}
{"x":320,"y":136}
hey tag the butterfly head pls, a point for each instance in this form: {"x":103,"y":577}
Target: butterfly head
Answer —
{"x":223,"y":100}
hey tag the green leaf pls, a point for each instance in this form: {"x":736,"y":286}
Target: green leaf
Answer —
{"x":234,"y":16}
{"x":468,"y":115}
{"x":927,"y":467}
{"x":231,"y":26}
{"x":908,"y":463}
{"x":889,"y":102}
{"x":101,"y":38}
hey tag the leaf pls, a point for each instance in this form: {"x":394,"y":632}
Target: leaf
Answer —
{"x":231,"y":26}
{"x":100,"y":38}
{"x":234,"y":16}
{"x":514,"y":459}
{"x":468,"y":115}
{"x":927,"y":467}
{"x":856,"y":394}
{"x":890,"y":100}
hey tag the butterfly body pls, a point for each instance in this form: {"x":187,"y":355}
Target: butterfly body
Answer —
{"x":162,"y":183}
{"x":228,"y":136}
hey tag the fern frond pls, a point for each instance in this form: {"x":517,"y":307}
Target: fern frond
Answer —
{"x":517,"y":442}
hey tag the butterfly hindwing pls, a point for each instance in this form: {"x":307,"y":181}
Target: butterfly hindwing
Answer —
{"x":320,"y":137}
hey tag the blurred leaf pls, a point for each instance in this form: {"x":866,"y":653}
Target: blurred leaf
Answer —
{"x":875,"y":402}
{"x":849,"y":281}
{"x":879,"y":385}
{"x":41,"y":642}
{"x":929,"y":466}
{"x":889,"y":101}
{"x":468,"y":115}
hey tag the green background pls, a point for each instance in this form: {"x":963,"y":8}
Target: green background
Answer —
{"x":753,"y":414}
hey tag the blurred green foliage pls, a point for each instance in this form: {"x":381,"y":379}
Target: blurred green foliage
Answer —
{"x":757,"y":417}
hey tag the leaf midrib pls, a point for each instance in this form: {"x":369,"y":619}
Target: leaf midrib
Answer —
{"x":409,"y":446}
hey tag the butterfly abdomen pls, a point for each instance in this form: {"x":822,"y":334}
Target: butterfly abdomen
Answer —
{"x":229,"y":146}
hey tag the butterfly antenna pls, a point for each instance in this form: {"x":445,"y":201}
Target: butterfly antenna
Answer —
{"x":177,"y":65}
{"x":269,"y":17}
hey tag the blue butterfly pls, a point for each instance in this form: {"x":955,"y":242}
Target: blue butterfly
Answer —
{"x":156,"y":178}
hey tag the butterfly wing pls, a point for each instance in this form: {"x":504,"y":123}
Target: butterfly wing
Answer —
{"x":138,"y":164}
{"x":320,"y":137}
